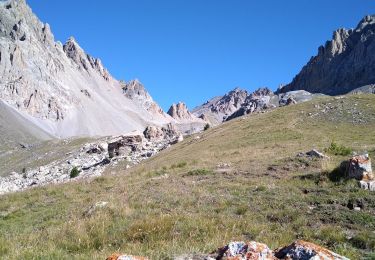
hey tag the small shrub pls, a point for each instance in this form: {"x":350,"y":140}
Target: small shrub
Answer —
{"x":206,"y":127}
{"x":157,"y":173}
{"x":261,"y":188}
{"x":364,"y":240}
{"x":199,"y":172}
{"x":179,"y":165}
{"x":241,"y":210}
{"x":74,"y":172}
{"x":337,"y":149}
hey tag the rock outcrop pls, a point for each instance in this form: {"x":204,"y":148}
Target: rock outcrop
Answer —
{"x":180,"y":112}
{"x":304,"y":250}
{"x":298,"y":250}
{"x":218,"y":108}
{"x":359,"y":168}
{"x":261,"y":99}
{"x":168,"y":132}
{"x":345,"y":63}
{"x":92,"y":159}
{"x":125,"y":257}
{"x":239,"y":102}
{"x":66,"y":91}
{"x":242,"y":250}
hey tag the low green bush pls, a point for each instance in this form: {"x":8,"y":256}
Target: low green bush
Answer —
{"x":74,"y":172}
{"x":337,"y":149}
{"x":199,"y":172}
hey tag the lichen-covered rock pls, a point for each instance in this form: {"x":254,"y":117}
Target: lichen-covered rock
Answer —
{"x":245,"y":251}
{"x":302,"y":250}
{"x":125,"y":257}
{"x":360,"y":168}
{"x":194,"y":257}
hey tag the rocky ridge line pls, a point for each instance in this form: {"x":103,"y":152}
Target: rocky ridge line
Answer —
{"x":345,"y":63}
{"x":239,"y":102}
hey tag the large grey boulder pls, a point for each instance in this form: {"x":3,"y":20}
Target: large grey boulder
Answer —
{"x":302,"y":250}
{"x":169,"y":132}
{"x":124,"y":145}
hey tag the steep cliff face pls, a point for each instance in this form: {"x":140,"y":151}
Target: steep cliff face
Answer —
{"x":345,"y":63}
{"x":66,"y":91}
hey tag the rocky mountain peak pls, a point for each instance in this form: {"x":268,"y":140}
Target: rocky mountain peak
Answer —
{"x":367,"y":20}
{"x":343,"y":64}
{"x":83,"y":60}
{"x":264,"y":91}
{"x":230,"y":102}
{"x":135,"y":89}
{"x":180,"y":112}
{"x":60,"y":88}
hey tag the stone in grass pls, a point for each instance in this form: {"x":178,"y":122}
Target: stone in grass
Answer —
{"x":116,"y":256}
{"x":91,"y":210}
{"x":360,"y":168}
{"x":242,"y":250}
{"x":367,"y":185}
{"x":316,"y":154}
{"x":305,"y":250}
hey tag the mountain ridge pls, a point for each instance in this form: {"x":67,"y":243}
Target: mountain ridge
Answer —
{"x":66,"y":90}
{"x":344,"y":63}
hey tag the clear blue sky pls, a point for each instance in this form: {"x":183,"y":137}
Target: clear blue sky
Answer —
{"x":192,"y":50}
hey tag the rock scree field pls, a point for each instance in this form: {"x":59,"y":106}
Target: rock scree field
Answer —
{"x":243,"y":180}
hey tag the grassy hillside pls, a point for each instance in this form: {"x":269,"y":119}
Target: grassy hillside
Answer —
{"x":239,"y":181}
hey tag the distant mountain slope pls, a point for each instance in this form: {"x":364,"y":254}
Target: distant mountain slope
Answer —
{"x":218,"y":108}
{"x":345,"y":63}
{"x":18,"y":128}
{"x":69,"y":92}
{"x":239,"y":102}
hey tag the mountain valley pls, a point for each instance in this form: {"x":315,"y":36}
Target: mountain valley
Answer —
{"x":91,"y":167}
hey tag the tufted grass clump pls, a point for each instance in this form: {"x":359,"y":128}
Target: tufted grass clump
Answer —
{"x":199,"y":172}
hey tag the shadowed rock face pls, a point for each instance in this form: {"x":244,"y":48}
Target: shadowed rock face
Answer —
{"x":345,"y":63}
